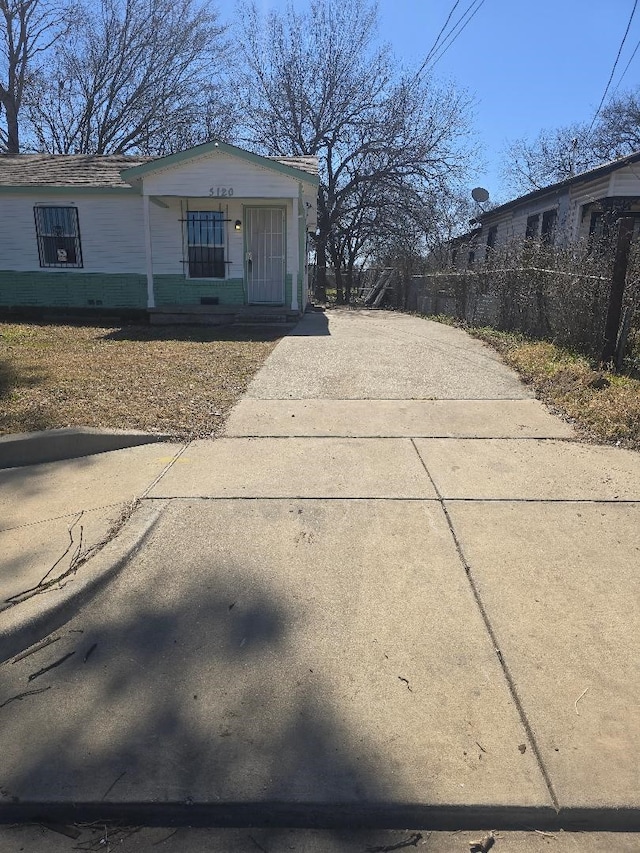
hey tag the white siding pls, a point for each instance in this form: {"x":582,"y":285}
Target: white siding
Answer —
{"x":626,"y":181}
{"x":111,"y":231}
{"x":217,"y":171}
{"x":536,"y":207}
{"x":580,"y":196}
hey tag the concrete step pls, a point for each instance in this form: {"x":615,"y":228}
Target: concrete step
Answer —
{"x":214,"y":315}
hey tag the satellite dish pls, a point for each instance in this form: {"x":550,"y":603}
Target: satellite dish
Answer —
{"x":480,"y":195}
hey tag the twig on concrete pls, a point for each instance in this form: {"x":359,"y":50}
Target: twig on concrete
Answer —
{"x":412,"y":841}
{"x":113,"y":784}
{"x":575,"y":704}
{"x":166,"y":838}
{"x":480,"y":746}
{"x":69,"y":546}
{"x":38,"y":646}
{"x":259,"y":846}
{"x":51,"y":666}
{"x":21,"y":696}
{"x":406,"y":681}
{"x":44,"y":584}
{"x":89,"y":653}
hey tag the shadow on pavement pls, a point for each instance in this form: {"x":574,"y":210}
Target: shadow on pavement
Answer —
{"x":190,"y":709}
{"x":313,"y":324}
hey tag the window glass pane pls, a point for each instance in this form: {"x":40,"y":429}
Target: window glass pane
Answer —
{"x":532,"y":225}
{"x":58,"y":236}
{"x":205,"y":228}
{"x":205,"y":239}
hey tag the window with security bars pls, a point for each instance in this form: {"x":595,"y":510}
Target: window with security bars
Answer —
{"x":205,"y":240}
{"x":58,"y":234}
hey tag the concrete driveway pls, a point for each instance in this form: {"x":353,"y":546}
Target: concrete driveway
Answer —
{"x":396,"y":593}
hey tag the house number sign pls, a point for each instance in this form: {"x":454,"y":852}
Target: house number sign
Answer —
{"x":221,"y":192}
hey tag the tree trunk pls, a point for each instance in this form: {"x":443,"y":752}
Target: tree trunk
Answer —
{"x":321,"y":270}
{"x":339,"y":286}
{"x":11,"y":117}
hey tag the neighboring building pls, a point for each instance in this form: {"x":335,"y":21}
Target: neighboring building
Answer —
{"x":568,"y":211}
{"x":211,"y":226}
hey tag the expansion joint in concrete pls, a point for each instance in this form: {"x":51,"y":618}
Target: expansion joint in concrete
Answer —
{"x":165,"y":470}
{"x":494,"y":640}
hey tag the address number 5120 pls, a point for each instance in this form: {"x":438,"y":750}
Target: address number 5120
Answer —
{"x":221,"y":192}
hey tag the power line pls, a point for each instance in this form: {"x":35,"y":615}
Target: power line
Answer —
{"x":615,"y":65}
{"x":445,"y":47}
{"x":440,"y":47}
{"x":626,"y":68}
{"x":444,"y":26}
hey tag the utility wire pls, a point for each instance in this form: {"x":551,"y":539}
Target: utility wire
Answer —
{"x":617,"y":86}
{"x":444,"y":26}
{"x":445,"y":47}
{"x":615,"y":65}
{"x":441,"y":47}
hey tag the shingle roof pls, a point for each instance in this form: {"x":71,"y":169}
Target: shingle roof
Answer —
{"x":65,"y":170}
{"x":305,"y":164}
{"x":92,"y":170}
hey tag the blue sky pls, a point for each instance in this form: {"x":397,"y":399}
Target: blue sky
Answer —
{"x":529,"y":64}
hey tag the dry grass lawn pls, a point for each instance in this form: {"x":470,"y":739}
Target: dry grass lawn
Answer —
{"x":176,"y":380}
{"x":603,"y":406}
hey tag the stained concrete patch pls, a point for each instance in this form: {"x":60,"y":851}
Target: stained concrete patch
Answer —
{"x":29,"y":553}
{"x":561,"y":587}
{"x":54,"y":489}
{"x":310,"y":467}
{"x":363,"y":418}
{"x":381,"y":355}
{"x":296,"y":653}
{"x":531,"y":470}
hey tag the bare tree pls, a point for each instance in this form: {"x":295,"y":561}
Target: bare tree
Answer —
{"x":618,"y":129}
{"x":318,"y":83}
{"x":138,"y":75}
{"x":552,"y":156}
{"x":28,"y":29}
{"x":558,"y":153}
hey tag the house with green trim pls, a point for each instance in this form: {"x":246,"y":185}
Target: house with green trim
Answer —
{"x":206,"y":231}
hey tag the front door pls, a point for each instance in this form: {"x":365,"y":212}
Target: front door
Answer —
{"x":265,"y":254}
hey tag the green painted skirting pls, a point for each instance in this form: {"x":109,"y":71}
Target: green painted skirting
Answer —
{"x":72,"y":290}
{"x":78,"y":289}
{"x":177,"y":290}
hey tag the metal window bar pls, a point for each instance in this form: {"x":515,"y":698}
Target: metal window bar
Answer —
{"x":206,"y":243}
{"x":58,"y":235}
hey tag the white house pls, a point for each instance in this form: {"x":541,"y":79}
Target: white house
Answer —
{"x":568,"y":211}
{"x":196,"y":231}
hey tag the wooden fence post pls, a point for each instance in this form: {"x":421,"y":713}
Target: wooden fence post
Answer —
{"x":614,"y":312}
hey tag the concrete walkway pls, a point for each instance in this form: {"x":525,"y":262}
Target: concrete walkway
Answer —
{"x":397,"y":593}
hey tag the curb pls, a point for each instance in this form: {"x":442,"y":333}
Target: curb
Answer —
{"x":345,"y":816}
{"x":25,"y":624}
{"x":54,"y":445}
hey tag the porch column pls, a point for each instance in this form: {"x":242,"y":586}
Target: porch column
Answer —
{"x":295,"y":269}
{"x":151,"y":299}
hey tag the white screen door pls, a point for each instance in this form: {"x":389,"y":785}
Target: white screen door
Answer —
{"x":264,"y":254}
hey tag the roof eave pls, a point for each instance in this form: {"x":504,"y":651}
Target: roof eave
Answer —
{"x":136,"y":173}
